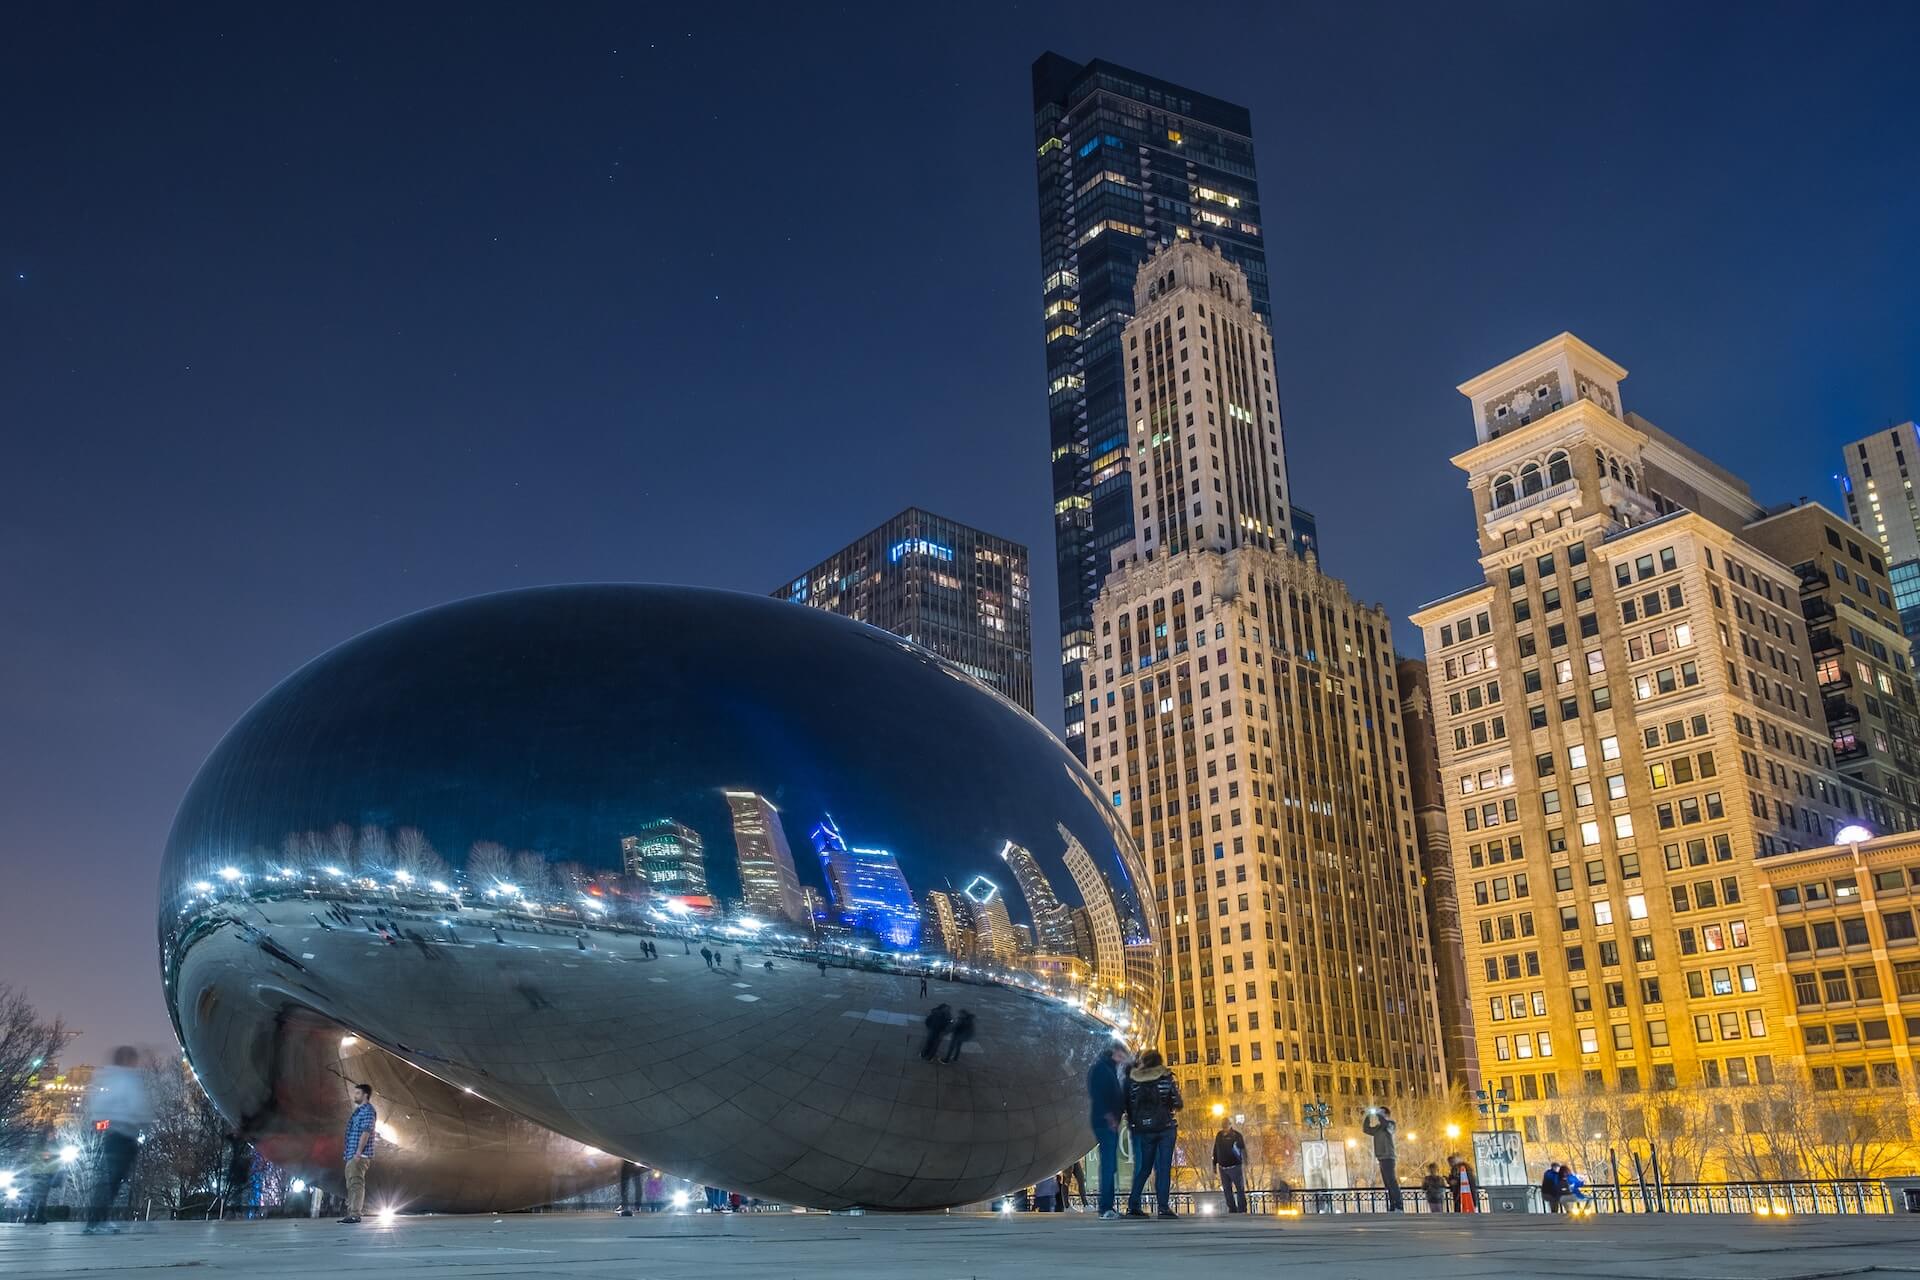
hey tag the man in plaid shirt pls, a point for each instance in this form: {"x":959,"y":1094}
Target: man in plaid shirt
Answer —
{"x":359,"y":1150}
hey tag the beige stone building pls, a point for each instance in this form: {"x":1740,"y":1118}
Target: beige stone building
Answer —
{"x":1628,"y":722}
{"x":1242,"y":715}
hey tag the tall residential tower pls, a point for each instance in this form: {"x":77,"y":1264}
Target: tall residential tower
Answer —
{"x":1244,"y":719}
{"x":1881,"y":503}
{"x":1126,"y":163}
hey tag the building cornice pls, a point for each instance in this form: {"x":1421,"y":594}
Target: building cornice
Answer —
{"x":1536,"y":435}
{"x":1500,"y":375}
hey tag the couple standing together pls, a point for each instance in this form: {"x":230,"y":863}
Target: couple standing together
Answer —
{"x":1146,"y":1097}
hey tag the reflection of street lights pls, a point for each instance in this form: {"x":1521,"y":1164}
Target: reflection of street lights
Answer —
{"x":1219,"y":1109}
{"x":1453,"y":1130}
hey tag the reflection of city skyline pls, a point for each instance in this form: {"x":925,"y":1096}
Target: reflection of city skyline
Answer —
{"x":863,"y":891}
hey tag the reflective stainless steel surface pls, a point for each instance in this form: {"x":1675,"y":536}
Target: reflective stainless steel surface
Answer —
{"x":474,"y":857}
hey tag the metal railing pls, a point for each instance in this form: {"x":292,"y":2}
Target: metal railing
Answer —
{"x":1815,"y":1196}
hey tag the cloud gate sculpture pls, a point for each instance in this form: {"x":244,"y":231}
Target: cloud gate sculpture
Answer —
{"x":584,"y":873}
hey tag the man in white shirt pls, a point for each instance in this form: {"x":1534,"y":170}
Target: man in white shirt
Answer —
{"x":118,"y":1107}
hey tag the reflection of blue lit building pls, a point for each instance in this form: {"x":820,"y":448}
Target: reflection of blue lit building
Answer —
{"x":869,"y":893}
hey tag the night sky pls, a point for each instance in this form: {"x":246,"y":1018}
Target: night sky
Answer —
{"x":313,"y":316}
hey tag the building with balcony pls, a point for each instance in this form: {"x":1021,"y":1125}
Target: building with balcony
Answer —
{"x":1628,"y":723}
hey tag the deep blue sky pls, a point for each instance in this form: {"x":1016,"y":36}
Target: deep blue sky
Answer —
{"x":313,"y":316}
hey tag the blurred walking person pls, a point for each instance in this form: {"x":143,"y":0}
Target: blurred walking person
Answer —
{"x":1153,"y":1122}
{"x":938,"y":1020}
{"x":359,"y":1151}
{"x":1107,"y":1102}
{"x":117,"y":1107}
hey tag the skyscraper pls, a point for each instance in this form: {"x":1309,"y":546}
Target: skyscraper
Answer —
{"x":1242,"y":715}
{"x":1629,"y":721}
{"x":869,"y":893}
{"x":993,"y":934}
{"x":1126,"y":162}
{"x":1052,"y":923}
{"x":768,"y":880}
{"x":962,"y":593}
{"x":1881,"y":504}
{"x":1107,"y":940}
{"x":669,"y":856}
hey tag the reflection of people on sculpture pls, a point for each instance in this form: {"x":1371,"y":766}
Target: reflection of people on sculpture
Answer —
{"x":962,"y":1032}
{"x":629,"y":1173}
{"x":937,"y":1023}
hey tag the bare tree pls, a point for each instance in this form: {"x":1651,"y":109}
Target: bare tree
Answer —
{"x":534,"y":877}
{"x":188,"y":1148}
{"x":338,"y":847}
{"x":488,"y":863}
{"x":374,"y":855}
{"x":28,"y":1046}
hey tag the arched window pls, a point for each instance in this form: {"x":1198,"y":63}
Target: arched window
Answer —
{"x":1559,"y":468}
{"x":1530,"y":481}
{"x":1627,"y":478}
{"x":1613,"y":467}
{"x":1503,"y":493}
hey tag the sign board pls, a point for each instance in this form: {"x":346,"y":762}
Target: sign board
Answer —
{"x":1500,"y":1159}
{"x":1323,"y":1165}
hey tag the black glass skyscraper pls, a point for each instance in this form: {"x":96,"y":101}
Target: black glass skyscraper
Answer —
{"x":1126,"y":163}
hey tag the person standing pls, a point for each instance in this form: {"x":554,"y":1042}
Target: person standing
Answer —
{"x":117,"y":1107}
{"x":938,"y":1020}
{"x":1107,"y":1101}
{"x":1230,"y":1163}
{"x":1436,"y":1188}
{"x":1153,"y":1122}
{"x":1046,"y":1194}
{"x":1378,"y":1123}
{"x":359,"y":1151}
{"x":1551,"y":1188}
{"x":1073,"y":1181}
{"x":962,"y":1032}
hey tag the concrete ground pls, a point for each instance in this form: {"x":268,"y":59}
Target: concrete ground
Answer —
{"x":967,"y":1247}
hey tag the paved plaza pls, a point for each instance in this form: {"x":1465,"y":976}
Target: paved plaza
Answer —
{"x":969,"y":1246}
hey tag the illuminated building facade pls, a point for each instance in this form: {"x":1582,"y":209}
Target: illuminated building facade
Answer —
{"x":944,"y":925}
{"x":947,"y":587}
{"x":1125,"y":162}
{"x":669,"y":856}
{"x":1627,"y":723}
{"x":994,"y":938}
{"x":1052,"y":923}
{"x":869,"y":894}
{"x":1878,"y":488}
{"x":1242,"y":716}
{"x":1861,"y":657}
{"x":1843,"y":919}
{"x":768,"y":880}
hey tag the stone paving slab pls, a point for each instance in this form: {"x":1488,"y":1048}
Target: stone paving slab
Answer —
{"x":973,"y":1246}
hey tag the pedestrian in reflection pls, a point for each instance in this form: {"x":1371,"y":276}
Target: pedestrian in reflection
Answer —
{"x":1153,"y":1122}
{"x":923,"y":986}
{"x":962,"y":1032}
{"x":1230,"y":1162}
{"x":1073,"y":1180}
{"x":686,"y":945}
{"x":736,"y":964}
{"x":707,"y":955}
{"x":1107,"y":1101}
{"x":118,"y":1107}
{"x":823,"y":967}
{"x":630,"y":1173}
{"x":938,"y":1021}
{"x":359,"y":1151}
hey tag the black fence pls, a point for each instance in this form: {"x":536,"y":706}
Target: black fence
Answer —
{"x":1762,"y":1199}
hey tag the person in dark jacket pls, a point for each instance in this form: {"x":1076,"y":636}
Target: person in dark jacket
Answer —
{"x":962,"y":1032}
{"x":1230,"y":1162}
{"x":937,"y":1023}
{"x":1107,"y":1102}
{"x":1153,"y":1122}
{"x":1550,"y":1188}
{"x":1464,"y":1184}
{"x":1436,"y":1188}
{"x":1379,"y":1125}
